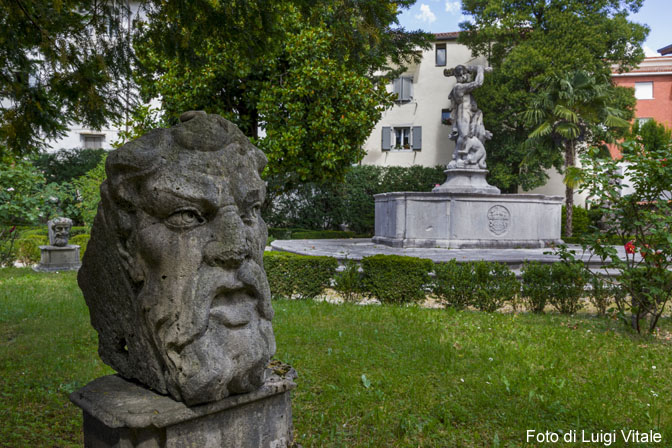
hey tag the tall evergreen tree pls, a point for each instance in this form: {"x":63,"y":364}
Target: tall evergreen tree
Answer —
{"x":61,"y":61}
{"x":527,"y":41}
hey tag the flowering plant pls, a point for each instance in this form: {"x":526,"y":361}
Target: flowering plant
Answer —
{"x":641,"y":220}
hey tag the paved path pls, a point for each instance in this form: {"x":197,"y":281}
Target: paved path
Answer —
{"x":356,"y":249}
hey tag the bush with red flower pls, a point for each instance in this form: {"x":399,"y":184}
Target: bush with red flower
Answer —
{"x":641,"y":221}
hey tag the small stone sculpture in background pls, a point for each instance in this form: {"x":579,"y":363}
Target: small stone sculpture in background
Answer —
{"x":173,"y":273}
{"x":59,"y":255}
{"x":468,"y":131}
{"x":59,"y":231}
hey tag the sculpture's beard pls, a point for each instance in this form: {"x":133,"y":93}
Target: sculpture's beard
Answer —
{"x":215,"y":334}
{"x":60,"y":240}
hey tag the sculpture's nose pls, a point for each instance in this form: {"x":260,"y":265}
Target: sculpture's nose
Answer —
{"x":228,"y":246}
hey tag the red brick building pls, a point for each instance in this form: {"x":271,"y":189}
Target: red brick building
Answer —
{"x":652,"y":82}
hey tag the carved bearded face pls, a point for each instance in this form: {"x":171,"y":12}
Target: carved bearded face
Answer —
{"x":193,"y":247}
{"x":60,"y":231}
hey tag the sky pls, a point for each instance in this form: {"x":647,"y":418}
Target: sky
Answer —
{"x":440,"y":16}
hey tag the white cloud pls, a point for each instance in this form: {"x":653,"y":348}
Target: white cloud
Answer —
{"x":453,"y":7}
{"x":648,"y":52}
{"x":426,"y":14}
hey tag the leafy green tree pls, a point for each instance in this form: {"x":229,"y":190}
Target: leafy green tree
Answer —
{"x":88,"y":187}
{"x":572,"y":109}
{"x":307,"y":72}
{"x":318,"y":113}
{"x":526,"y":41}
{"x":61,"y":62}
{"x":651,"y":134}
{"x":67,"y":164}
{"x":20,"y":193}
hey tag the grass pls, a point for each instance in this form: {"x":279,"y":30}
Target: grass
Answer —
{"x":369,"y":376}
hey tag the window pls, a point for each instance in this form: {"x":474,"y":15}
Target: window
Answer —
{"x":92,"y":141}
{"x":441,"y":55}
{"x":402,"y":138}
{"x":644,"y":90}
{"x":445,"y":117}
{"x":403,"y":87}
{"x":641,"y":121}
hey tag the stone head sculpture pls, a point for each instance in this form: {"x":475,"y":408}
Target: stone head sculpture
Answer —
{"x":173,"y":273}
{"x":59,"y":231}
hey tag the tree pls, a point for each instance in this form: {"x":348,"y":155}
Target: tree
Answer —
{"x":572,"y":109}
{"x":526,"y":41}
{"x":61,"y":61}
{"x":310,"y":73}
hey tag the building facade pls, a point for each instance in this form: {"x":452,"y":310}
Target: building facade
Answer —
{"x":652,"y":82}
{"x":416,"y":130}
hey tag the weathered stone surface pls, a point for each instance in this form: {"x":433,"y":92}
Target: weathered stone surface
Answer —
{"x":122,"y":413}
{"x":173,"y":273}
{"x":467,"y":220}
{"x":462,"y":180}
{"x":59,"y":231}
{"x":57,"y":258}
{"x":468,"y":131}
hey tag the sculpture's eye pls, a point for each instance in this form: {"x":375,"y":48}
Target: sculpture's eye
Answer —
{"x":250,"y":218}
{"x":185,"y":219}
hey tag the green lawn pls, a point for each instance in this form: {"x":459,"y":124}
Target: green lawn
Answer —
{"x":368,"y":375}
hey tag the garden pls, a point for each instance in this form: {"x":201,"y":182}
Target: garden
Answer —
{"x":390,"y":375}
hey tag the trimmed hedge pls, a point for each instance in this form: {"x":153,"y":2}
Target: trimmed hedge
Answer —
{"x":82,"y":240}
{"x":280,"y":233}
{"x":485,"y":285}
{"x":300,"y":276}
{"x":580,"y":220}
{"x":569,"y":281}
{"x":453,"y":283}
{"x":28,"y":248}
{"x":396,"y":279}
{"x":537,"y":285}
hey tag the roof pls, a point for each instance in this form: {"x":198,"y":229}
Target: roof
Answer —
{"x":447,"y":36}
{"x":665,"y":50}
{"x":651,"y":65}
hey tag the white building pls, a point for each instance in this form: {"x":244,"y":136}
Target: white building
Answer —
{"x":412,"y":132}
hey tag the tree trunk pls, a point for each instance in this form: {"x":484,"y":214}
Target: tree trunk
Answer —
{"x":569,"y":191}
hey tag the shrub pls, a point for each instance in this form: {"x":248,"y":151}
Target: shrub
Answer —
{"x":322,"y":234}
{"x":301,"y":276}
{"x":396,"y":279}
{"x":600,"y":294}
{"x":8,"y":236}
{"x":28,"y":248}
{"x":580,"y":221}
{"x":81,"y":240}
{"x":641,"y":221}
{"x":453,"y":283}
{"x":568,"y":286}
{"x":485,"y":285}
{"x":495,"y":283}
{"x":348,"y":282}
{"x":323,"y":206}
{"x":537,"y":285}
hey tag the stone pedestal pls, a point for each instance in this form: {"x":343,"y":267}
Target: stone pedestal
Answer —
{"x":467,"y":220}
{"x":57,"y":258}
{"x":463,"y":180}
{"x":123,"y":414}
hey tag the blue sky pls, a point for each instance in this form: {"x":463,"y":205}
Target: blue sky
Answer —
{"x":437,"y":16}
